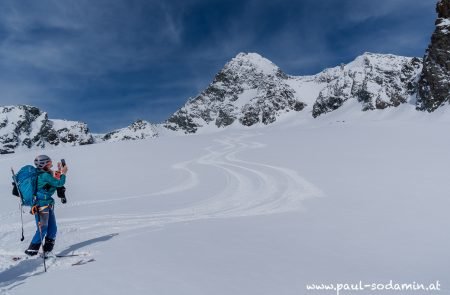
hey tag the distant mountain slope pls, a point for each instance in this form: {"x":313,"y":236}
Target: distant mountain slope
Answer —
{"x":138,"y":130}
{"x":376,"y":81}
{"x":24,"y":127}
{"x":250,"y":89}
{"x":27,"y":127}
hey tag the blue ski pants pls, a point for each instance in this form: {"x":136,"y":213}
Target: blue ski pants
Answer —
{"x":48,"y":227}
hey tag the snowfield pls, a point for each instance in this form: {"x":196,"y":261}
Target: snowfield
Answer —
{"x":347,"y":197}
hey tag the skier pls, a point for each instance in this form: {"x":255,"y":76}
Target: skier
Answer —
{"x":47,"y":183}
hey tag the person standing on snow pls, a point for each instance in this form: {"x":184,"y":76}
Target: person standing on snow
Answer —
{"x":47,"y":183}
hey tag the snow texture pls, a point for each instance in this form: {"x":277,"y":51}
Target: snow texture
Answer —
{"x":345,"y":197}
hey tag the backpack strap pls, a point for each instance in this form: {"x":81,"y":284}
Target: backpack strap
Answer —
{"x":38,"y":172}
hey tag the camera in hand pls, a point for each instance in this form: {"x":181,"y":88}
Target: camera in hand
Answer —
{"x":61,"y":191}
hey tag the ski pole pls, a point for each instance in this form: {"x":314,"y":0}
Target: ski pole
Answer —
{"x":20,"y":202}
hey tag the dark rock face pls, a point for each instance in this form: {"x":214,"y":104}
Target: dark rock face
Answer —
{"x":327,"y":104}
{"x":181,"y":120}
{"x":225,"y":117}
{"x":249,"y":90}
{"x":443,"y":9}
{"x":27,"y":127}
{"x":434,"y":84}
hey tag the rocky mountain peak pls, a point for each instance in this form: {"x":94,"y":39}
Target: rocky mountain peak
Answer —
{"x":434,"y":85}
{"x":249,"y":89}
{"x":26,"y":126}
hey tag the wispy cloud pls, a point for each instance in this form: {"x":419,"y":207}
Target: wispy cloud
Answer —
{"x":94,"y":59}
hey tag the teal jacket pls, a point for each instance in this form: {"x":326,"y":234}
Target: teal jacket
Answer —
{"x":47,"y":185}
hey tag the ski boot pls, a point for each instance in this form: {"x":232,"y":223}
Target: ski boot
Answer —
{"x":48,"y":246}
{"x":33,"y":249}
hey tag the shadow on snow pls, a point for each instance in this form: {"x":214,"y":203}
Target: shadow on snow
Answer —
{"x":17,"y":274}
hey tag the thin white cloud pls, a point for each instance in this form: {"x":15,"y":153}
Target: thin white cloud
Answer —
{"x":51,"y":48}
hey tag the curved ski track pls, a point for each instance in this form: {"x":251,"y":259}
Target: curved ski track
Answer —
{"x":250,"y":189}
{"x":246,"y":189}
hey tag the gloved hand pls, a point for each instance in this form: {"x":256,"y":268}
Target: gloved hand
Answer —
{"x":61,"y":192}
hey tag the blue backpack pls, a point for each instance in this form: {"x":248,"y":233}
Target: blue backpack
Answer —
{"x":26,"y":183}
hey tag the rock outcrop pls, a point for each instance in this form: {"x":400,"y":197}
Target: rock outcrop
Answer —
{"x":25,"y":127}
{"x":434,"y":84}
{"x":376,"y":81}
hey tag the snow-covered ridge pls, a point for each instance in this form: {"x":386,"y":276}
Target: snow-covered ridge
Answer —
{"x":251,"y":90}
{"x":25,"y":127}
{"x":138,"y":130}
{"x":376,"y":81}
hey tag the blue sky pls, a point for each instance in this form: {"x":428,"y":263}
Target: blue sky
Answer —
{"x":110,"y":62}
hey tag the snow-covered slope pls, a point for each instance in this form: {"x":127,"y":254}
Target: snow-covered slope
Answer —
{"x":247,"y":211}
{"x":250,"y":90}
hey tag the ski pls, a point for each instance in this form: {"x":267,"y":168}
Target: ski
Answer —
{"x":41,"y":255}
{"x":70,"y":255}
{"x":82,"y":262}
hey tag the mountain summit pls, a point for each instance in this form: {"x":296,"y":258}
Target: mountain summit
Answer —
{"x":250,"y":90}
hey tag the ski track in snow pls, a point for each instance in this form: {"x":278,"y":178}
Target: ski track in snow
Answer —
{"x":251,"y":189}
{"x":248,"y":189}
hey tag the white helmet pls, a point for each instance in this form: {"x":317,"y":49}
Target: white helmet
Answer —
{"x":41,"y":161}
